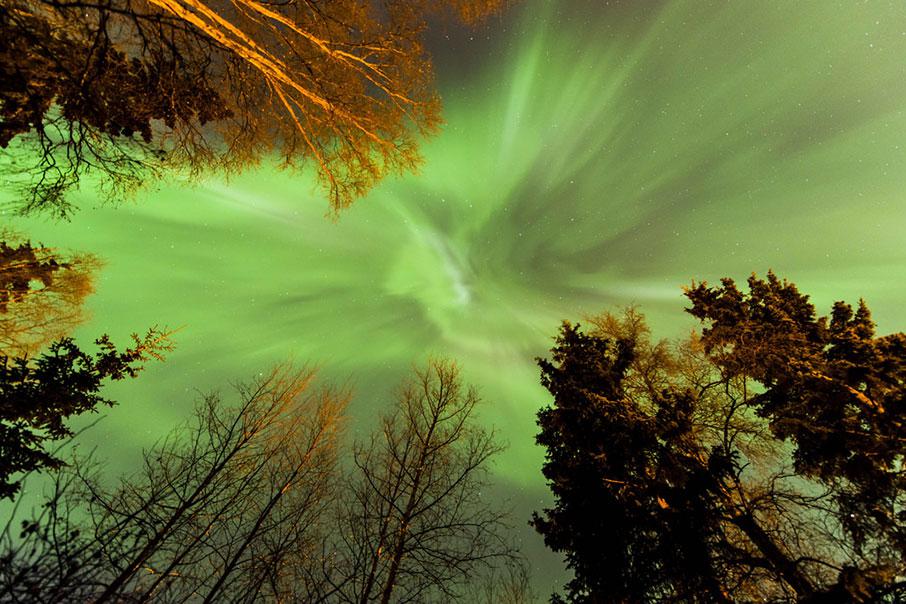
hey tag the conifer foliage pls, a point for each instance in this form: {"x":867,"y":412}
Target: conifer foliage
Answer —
{"x":759,"y":460}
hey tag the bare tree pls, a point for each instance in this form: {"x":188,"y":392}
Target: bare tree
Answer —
{"x":226,"y":510}
{"x":43,"y":554}
{"x":417,"y":522}
{"x":507,"y":583}
{"x":133,"y":89}
{"x":242,"y":506}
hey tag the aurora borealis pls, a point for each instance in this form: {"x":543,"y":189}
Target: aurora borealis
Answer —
{"x":595,"y":155}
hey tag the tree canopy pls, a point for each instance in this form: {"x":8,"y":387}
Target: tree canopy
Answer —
{"x":130,"y":90}
{"x":761,"y":460}
{"x":42,"y":293}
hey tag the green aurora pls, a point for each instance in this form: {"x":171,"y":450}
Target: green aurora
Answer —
{"x":595,"y":156}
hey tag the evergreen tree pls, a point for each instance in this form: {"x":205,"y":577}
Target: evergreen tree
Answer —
{"x":38,"y":395}
{"x":759,"y":461}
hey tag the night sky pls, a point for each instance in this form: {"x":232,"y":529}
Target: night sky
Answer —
{"x":594,"y":156}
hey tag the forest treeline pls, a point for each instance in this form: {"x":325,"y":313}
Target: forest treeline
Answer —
{"x":758,"y":460}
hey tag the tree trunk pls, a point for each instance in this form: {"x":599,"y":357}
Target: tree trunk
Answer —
{"x":400,"y":545}
{"x":372,"y":572}
{"x":788,"y":569}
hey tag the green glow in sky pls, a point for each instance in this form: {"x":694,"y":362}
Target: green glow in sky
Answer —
{"x":593,"y":157}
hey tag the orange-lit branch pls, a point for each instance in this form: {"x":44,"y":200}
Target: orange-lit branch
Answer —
{"x":274,"y":71}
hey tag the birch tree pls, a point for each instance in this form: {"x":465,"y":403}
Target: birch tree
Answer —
{"x":227,"y":509}
{"x":418,"y":521}
{"x":131,"y":90}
